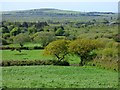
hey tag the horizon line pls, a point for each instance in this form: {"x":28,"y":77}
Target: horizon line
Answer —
{"x":54,"y":9}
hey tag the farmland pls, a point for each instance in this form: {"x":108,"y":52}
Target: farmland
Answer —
{"x":36,"y":42}
{"x":58,"y":77}
{"x":24,"y":55}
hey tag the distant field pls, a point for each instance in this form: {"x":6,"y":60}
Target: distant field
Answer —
{"x":58,"y":77}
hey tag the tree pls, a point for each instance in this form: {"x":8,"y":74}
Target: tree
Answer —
{"x":58,"y":48}
{"x":6,"y":35}
{"x":32,"y":30}
{"x":44,"y":38}
{"x":59,"y":32}
{"x":21,"y":39}
{"x":4,"y":29}
{"x":84,"y":49}
{"x":3,"y":41}
{"x":15,"y":31}
{"x":25,"y":24}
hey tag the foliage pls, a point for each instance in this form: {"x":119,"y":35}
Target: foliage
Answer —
{"x":33,"y":62}
{"x":32,"y":30}
{"x":4,"y":42}
{"x":58,"y":48}
{"x":116,"y":37}
{"x":21,"y":39}
{"x":84,"y":49}
{"x":4,"y":29}
{"x":6,"y":35}
{"x":59,"y":32}
{"x":15,"y":31}
{"x":44,"y":38}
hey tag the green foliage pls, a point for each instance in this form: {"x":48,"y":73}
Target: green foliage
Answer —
{"x":4,"y":30}
{"x":15,"y":31}
{"x":6,"y":35}
{"x":58,"y":48}
{"x":10,"y":27}
{"x":44,"y":38}
{"x":116,"y":37}
{"x":32,"y":30}
{"x":59,"y":32}
{"x":83,"y":48}
{"x":4,"y":42}
{"x":33,"y":62}
{"x":21,"y":39}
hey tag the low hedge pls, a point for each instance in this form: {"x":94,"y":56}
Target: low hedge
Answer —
{"x":22,"y":48}
{"x":35,"y":62}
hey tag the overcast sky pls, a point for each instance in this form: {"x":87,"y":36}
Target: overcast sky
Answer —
{"x":77,"y":5}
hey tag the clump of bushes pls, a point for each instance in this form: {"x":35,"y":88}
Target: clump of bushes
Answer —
{"x":35,"y":62}
{"x":106,"y":58}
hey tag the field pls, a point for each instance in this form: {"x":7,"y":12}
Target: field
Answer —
{"x":34,"y":55}
{"x":86,"y":57}
{"x":58,"y":77}
{"x":24,"y":55}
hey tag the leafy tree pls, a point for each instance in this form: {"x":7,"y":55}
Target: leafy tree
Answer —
{"x":21,"y":39}
{"x":23,"y":30}
{"x":3,"y":41}
{"x":25,"y":24}
{"x":10,"y":27}
{"x":4,"y":29}
{"x":58,"y":48}
{"x":59,"y":32}
{"x":15,"y":31}
{"x":84,"y":49}
{"x":32,"y":30}
{"x":6,"y":35}
{"x":44,"y":38}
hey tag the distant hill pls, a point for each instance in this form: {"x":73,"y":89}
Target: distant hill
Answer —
{"x":47,"y":13}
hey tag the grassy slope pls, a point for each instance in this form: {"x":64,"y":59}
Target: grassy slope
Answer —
{"x":58,"y":77}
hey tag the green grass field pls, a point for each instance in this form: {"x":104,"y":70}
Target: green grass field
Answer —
{"x":58,"y":77}
{"x":24,"y":55}
{"x":34,"y":55}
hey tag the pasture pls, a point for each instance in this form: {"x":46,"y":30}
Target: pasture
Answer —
{"x":32,"y":31}
{"x":58,"y":77}
{"x":24,"y":55}
{"x":34,"y":55}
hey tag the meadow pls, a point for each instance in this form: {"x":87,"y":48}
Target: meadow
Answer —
{"x":58,"y":77}
{"x":24,"y":55}
{"x":8,"y":55}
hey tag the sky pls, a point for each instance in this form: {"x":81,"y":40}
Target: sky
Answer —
{"x":77,"y":5}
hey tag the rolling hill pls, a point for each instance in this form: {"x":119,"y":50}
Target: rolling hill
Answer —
{"x":48,"y":13}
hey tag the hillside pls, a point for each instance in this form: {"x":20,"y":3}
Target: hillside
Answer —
{"x":48,"y":13}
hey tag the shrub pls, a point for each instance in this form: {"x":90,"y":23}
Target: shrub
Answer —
{"x":35,"y":62}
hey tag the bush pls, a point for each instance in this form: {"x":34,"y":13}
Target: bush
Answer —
{"x":35,"y":62}
{"x":38,"y":47}
{"x":61,"y":63}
